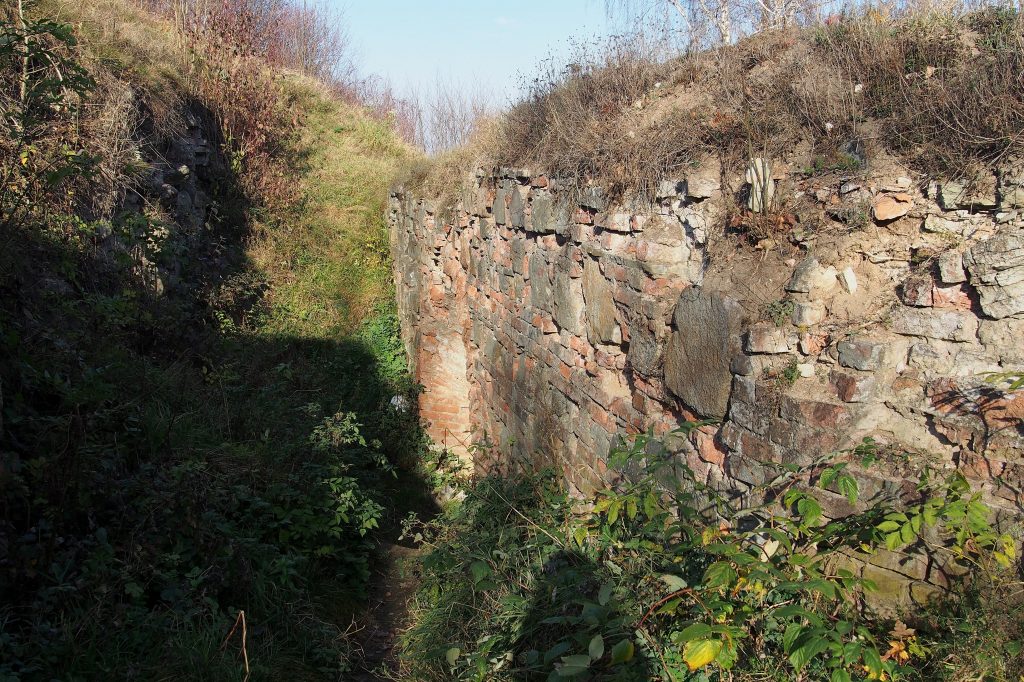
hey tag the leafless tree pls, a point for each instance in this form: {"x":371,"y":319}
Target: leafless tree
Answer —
{"x":449,"y":112}
{"x":314,"y":40}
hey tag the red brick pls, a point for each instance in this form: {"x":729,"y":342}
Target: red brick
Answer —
{"x":709,"y":449}
{"x":584,"y":217}
{"x":951,"y":297}
{"x":579,"y":345}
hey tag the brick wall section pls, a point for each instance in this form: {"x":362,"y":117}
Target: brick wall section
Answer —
{"x":548,"y":326}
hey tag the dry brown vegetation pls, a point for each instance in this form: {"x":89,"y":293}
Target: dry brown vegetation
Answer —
{"x":944,"y":93}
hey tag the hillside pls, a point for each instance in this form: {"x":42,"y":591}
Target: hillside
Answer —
{"x":197,"y":353}
{"x":688,"y":367}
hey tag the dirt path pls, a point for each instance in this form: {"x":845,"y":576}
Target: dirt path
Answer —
{"x":394,"y":584}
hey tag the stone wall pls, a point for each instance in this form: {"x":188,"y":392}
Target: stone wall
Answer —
{"x":546,"y":323}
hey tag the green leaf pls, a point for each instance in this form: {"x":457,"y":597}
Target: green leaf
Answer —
{"x":674,"y":582}
{"x":848,"y":486}
{"x":596,"y":648}
{"x":809,"y":509}
{"x":623,"y":652}
{"x":840,"y":675}
{"x":823,"y":587}
{"x":452,"y":655}
{"x":573,"y":665}
{"x":807,"y":651}
{"x":873,"y":661}
{"x":792,"y":610}
{"x":580,"y":535}
{"x":605,"y":594}
{"x":670,"y":607}
{"x":719,"y":574}
{"x":613,"y":511}
{"x":480,"y":570}
{"x":791,"y":635}
{"x":651,"y":506}
{"x":692,"y":632}
{"x":556,"y":651}
{"x":699,"y":653}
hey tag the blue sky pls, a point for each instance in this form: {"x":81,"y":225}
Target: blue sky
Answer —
{"x":413,"y":42}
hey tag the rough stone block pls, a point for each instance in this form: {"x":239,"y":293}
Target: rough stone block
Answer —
{"x":645,"y":349}
{"x":660,"y":260}
{"x":852,"y":388}
{"x":705,"y":181}
{"x":700,"y":350}
{"x":548,"y":216}
{"x":815,"y":413}
{"x":1004,"y":337}
{"x":811,"y":276}
{"x":932,"y":359}
{"x":616,"y":222}
{"x":951,"y":267}
{"x":982,"y":196}
{"x":593,"y":199}
{"x":917,"y":291}
{"x":517,"y":208}
{"x":848,"y":279}
{"x":996,"y":268}
{"x":937,"y":225}
{"x":670,"y":189}
{"x":935,"y":324}
{"x":808,"y":314}
{"x":765,"y":338}
{"x":568,"y":303}
{"x":891,"y":206}
{"x":861,"y":354}
{"x":602,"y":324}
{"x":500,"y":197}
{"x":955,"y":297}
{"x":753,"y":416}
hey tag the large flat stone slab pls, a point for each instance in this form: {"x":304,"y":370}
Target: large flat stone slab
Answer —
{"x":708,"y":328}
{"x":996,"y":268}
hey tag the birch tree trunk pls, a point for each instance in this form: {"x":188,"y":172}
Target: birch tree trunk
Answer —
{"x":23,"y":89}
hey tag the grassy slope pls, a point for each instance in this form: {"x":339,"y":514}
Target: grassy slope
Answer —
{"x":167,"y":463}
{"x":333,"y":271}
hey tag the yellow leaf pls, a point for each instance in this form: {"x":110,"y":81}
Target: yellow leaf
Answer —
{"x":698,"y":653}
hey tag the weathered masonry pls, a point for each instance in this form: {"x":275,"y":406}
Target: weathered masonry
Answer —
{"x":546,"y":324}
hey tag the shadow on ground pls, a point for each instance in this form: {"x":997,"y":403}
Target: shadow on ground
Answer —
{"x":167,"y":464}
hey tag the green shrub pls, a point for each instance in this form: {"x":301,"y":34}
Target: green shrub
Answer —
{"x":663,"y":577}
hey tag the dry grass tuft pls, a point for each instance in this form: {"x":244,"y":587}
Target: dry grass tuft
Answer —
{"x":948,"y":93}
{"x":586,"y":119}
{"x":440,"y":176}
{"x":945,"y":93}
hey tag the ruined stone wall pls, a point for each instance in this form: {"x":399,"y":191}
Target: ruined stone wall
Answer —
{"x":546,"y":324}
